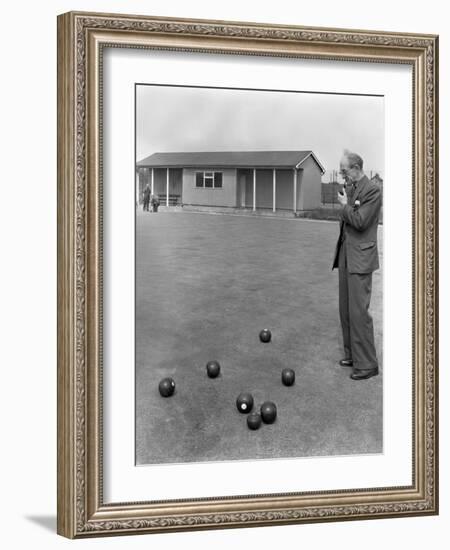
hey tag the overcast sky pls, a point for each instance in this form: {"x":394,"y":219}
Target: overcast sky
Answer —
{"x":209,"y":119}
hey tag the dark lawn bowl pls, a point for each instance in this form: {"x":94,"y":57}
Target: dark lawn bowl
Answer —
{"x":268,"y":412}
{"x":244,"y":402}
{"x":213,"y":369}
{"x":167,"y":387}
{"x":254,"y":421}
{"x":288,"y":377}
{"x":265,"y":336}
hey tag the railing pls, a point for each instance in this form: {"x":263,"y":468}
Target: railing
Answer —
{"x":174,"y":200}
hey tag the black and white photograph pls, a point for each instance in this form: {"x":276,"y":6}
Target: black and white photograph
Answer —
{"x":259,"y":274}
{"x":223,"y":295}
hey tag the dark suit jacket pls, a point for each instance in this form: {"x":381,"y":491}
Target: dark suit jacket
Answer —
{"x":359,"y":224}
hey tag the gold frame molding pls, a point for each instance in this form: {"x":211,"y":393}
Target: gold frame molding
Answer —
{"x":81,"y":37}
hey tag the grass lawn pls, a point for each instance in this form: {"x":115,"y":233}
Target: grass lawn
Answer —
{"x":205,"y":286}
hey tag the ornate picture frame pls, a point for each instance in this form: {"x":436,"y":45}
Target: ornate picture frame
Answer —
{"x":82,"y":38}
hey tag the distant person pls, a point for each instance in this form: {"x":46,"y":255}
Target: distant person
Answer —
{"x":154,"y":202}
{"x":147,"y":193}
{"x":356,"y":256}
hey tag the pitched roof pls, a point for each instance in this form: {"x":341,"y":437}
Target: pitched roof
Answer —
{"x":235,"y":159}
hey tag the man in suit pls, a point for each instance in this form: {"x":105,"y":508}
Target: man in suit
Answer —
{"x":356,"y":256}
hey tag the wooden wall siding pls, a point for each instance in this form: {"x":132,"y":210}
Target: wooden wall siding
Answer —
{"x":225,"y":196}
{"x":285,"y":189}
{"x":309,"y":193}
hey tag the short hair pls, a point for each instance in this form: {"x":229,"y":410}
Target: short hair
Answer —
{"x":353,"y":159}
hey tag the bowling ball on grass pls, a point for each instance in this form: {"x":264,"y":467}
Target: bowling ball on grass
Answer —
{"x":265,"y":336}
{"x":288,"y":377}
{"x":244,"y":402}
{"x":268,"y":412}
{"x":254,"y":421}
{"x":213,"y":369}
{"x":167,"y":387}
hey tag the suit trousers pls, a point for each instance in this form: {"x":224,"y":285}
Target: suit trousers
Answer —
{"x":355,"y":291}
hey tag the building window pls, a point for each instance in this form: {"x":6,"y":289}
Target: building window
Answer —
{"x":209,"y":180}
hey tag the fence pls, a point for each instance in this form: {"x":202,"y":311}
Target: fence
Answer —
{"x":332,"y":183}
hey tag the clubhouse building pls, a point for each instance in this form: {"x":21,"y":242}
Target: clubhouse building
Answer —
{"x":271,"y":180}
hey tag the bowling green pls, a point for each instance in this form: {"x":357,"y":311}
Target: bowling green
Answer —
{"x":205,"y":286}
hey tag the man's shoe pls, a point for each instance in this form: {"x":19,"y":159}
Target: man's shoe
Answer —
{"x":364,"y":374}
{"x":346,"y":362}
